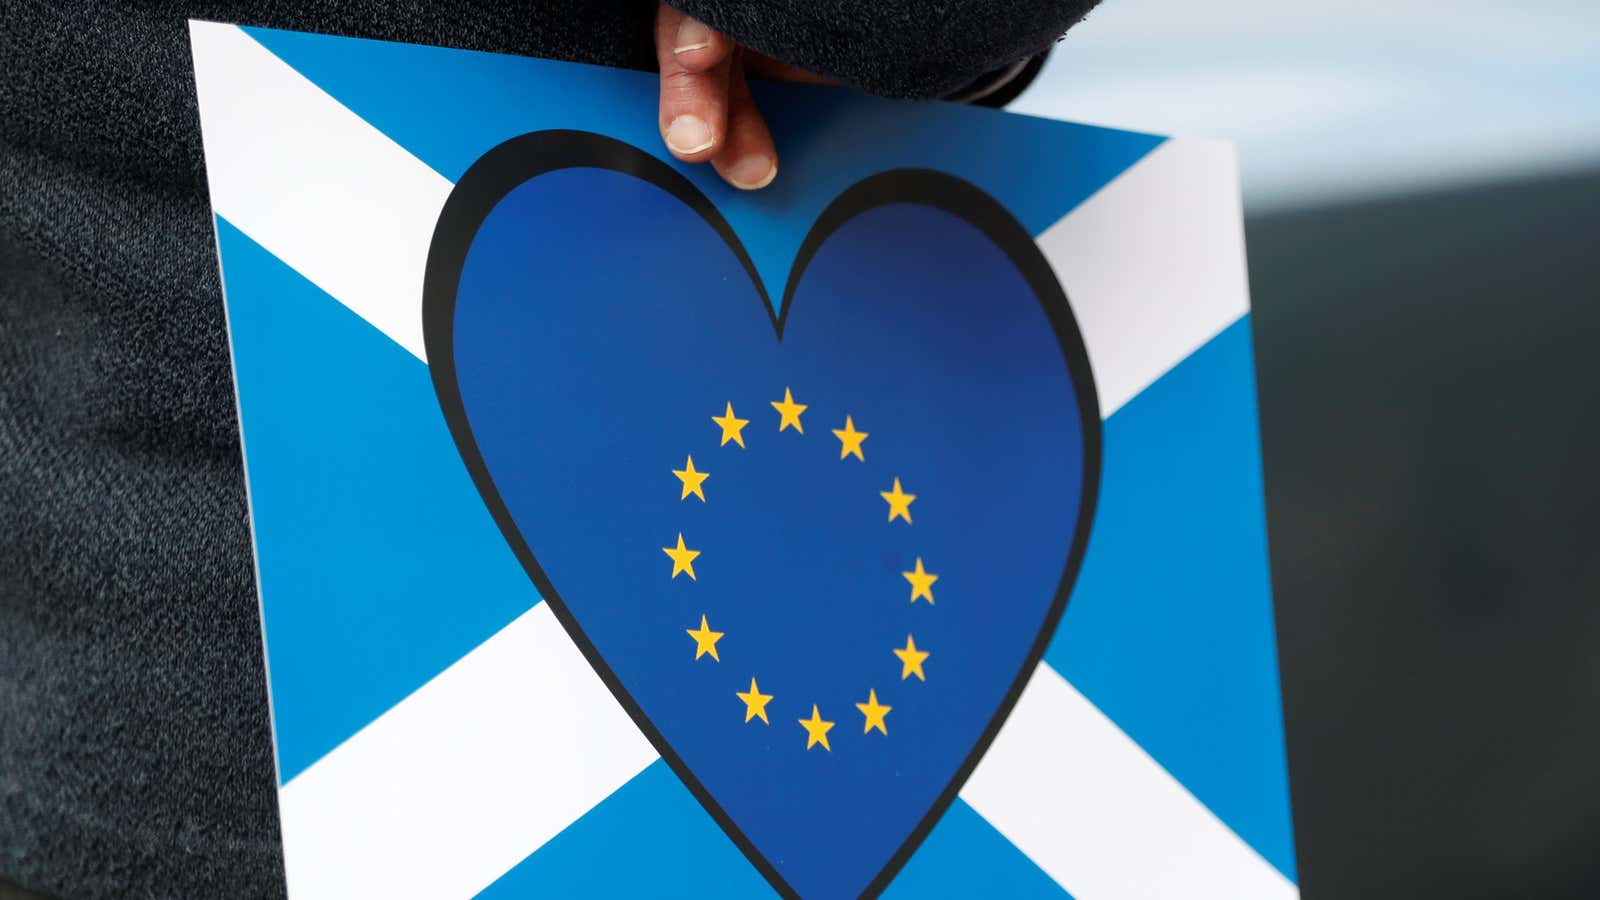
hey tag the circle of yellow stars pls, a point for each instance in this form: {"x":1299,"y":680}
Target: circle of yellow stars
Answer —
{"x":692,"y":481}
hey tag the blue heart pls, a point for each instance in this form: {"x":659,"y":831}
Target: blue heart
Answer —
{"x":588,"y":317}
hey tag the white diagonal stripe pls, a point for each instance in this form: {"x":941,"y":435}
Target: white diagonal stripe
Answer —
{"x":1071,"y":790}
{"x":1154,"y":264}
{"x":457,"y":783}
{"x":314,"y":183}
{"x":453,"y":786}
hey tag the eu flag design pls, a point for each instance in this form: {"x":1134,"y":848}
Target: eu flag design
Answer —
{"x":815,"y":550}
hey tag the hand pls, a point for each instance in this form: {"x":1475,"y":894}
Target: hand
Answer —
{"x":707,"y":113}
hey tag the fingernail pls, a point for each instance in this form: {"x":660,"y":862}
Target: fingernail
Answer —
{"x":752,"y":172}
{"x":692,"y":35}
{"x":689,"y":135}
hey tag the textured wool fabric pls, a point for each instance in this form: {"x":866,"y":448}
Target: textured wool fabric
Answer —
{"x":898,"y":49}
{"x":135,"y":754}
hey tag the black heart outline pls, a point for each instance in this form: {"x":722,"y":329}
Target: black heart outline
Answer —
{"x":528,"y":156}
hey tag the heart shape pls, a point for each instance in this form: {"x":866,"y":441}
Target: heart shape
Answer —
{"x":815,"y":556}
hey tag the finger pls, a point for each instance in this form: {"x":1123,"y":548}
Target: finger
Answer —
{"x":695,"y":45}
{"x":694,"y":102}
{"x":748,"y":160}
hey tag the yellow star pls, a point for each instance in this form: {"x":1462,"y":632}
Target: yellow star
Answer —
{"x":921,"y":582}
{"x":911,"y":660}
{"x":691,"y":480}
{"x":850,"y":439}
{"x":789,"y":412}
{"x":816,"y":730}
{"x":705,"y":640}
{"x":874,"y":711}
{"x":682,"y":558}
{"x":899,"y":502}
{"x":732,"y":428}
{"x":755,"y":703}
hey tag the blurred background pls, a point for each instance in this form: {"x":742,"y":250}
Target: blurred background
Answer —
{"x":1422,"y":191}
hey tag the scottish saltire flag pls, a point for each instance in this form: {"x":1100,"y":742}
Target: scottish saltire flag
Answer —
{"x":896,"y":530}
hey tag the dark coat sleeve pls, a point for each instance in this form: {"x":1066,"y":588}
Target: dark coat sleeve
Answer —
{"x":898,"y":48}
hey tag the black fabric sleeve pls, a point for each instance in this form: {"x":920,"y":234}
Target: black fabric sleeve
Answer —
{"x":1000,"y":87}
{"x":897,"y":48}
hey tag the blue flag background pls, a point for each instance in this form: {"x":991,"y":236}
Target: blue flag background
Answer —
{"x":381,"y":568}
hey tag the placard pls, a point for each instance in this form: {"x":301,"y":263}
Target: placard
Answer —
{"x":895,"y":529}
